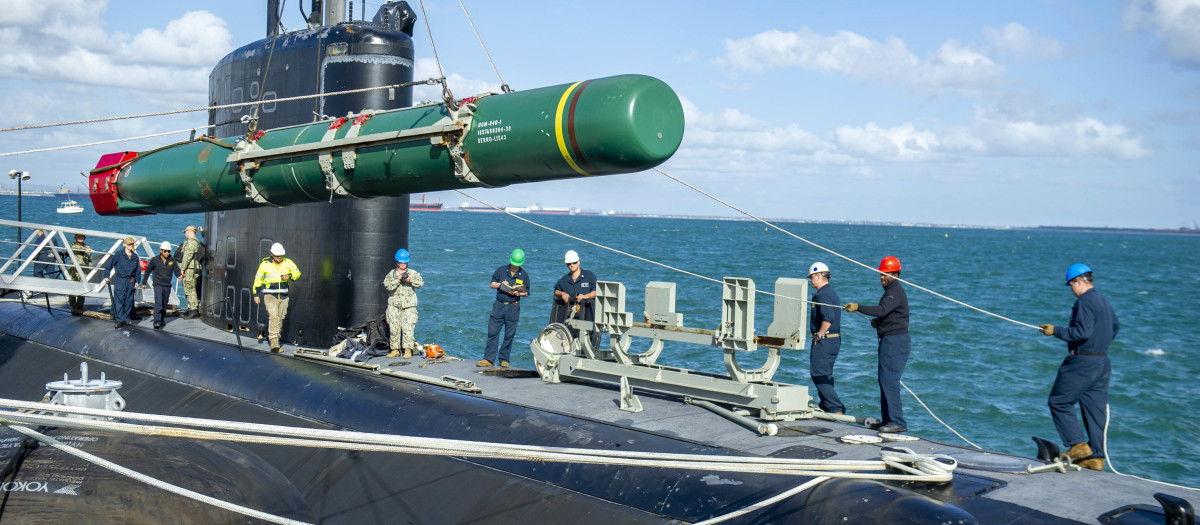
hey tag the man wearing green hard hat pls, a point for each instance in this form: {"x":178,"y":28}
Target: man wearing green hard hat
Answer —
{"x":511,"y":284}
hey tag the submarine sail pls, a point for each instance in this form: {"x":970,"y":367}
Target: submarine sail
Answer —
{"x":334,"y":192}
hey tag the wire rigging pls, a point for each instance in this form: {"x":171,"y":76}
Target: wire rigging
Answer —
{"x":832,"y":252}
{"x":503,"y":86}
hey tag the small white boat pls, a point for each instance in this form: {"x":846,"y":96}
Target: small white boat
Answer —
{"x":70,"y":206}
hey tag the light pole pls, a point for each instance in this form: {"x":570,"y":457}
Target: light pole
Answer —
{"x":20,"y":176}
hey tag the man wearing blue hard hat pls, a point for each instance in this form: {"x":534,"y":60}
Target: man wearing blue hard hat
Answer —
{"x":402,"y":305}
{"x":1083,"y":375}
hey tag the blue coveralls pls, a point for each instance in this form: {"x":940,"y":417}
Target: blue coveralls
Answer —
{"x":825,"y":351}
{"x":506,"y":311}
{"x":894,"y":347}
{"x":559,"y":310}
{"x":124,"y":271}
{"x":161,"y":271}
{"x":1084,"y":374}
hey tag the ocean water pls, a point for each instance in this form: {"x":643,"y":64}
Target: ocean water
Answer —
{"x":986,"y":377}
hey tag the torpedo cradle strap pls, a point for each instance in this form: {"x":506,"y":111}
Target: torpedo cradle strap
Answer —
{"x":570,"y":98}
{"x":899,"y":464}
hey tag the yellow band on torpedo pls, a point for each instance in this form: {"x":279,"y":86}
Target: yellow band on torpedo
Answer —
{"x":558,"y":129}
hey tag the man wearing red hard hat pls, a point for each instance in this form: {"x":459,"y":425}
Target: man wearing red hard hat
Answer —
{"x":891,"y":325}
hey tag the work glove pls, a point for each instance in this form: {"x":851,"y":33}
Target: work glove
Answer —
{"x":851,"y":307}
{"x":1047,"y":329}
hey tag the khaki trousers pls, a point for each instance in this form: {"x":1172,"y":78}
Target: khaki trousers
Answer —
{"x":276,"y":311}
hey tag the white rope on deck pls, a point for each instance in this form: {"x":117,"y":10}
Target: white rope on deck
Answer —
{"x":174,"y":489}
{"x":909,"y":466}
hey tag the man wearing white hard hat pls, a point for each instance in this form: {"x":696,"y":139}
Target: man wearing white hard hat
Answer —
{"x":162,"y":268}
{"x":825,"y":323}
{"x":575,"y":291}
{"x":273,"y":275}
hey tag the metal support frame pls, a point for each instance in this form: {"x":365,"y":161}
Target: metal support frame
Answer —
{"x":558,"y":356}
{"x":64,"y":260}
{"x":448,"y":132}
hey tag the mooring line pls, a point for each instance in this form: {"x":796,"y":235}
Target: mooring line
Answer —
{"x":818,"y":246}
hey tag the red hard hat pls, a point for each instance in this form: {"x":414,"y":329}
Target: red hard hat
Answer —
{"x":889,"y":264}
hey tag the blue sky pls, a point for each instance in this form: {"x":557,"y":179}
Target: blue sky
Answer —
{"x":1015,"y":113}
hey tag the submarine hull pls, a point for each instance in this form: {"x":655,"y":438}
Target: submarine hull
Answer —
{"x":170,"y":374}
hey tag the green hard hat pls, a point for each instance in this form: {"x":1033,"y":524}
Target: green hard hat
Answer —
{"x":517,"y":258}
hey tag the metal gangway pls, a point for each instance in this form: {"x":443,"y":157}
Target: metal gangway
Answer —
{"x":49,"y":255}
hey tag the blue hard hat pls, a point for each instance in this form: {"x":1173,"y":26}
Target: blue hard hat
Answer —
{"x":402,"y":256}
{"x":1075,"y":270}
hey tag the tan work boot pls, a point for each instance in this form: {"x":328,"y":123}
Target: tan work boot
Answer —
{"x":393,"y":353}
{"x":1092,"y":463}
{"x":408,"y":353}
{"x":1079,"y":451}
{"x":483,"y":362}
{"x":504,"y":364}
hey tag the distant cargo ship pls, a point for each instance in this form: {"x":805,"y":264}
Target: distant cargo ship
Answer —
{"x":466,"y":206}
{"x":424,"y":206}
{"x":538,"y":209}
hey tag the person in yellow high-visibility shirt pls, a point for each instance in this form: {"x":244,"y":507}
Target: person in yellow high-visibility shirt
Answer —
{"x":273,"y":276}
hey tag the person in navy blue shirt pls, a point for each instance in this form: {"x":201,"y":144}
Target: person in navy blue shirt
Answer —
{"x":511,"y":284}
{"x":575,"y":291}
{"x":895,"y":345}
{"x":825,"y":325}
{"x":1084,"y":374}
{"x":124,"y":270}
{"x":161,"y":268}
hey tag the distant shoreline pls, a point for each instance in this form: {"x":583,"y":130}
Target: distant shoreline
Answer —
{"x":1087,"y":229}
{"x":623,"y":215}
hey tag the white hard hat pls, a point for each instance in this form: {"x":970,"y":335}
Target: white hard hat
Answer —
{"x":817,"y":267}
{"x":571,"y":257}
{"x":165,"y":246}
{"x":277,"y":249}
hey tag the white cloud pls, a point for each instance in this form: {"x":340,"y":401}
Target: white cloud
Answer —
{"x":460,"y":86}
{"x":1080,"y":137}
{"x":1177,"y":23}
{"x":1023,"y":42}
{"x":62,"y":42}
{"x":952,"y":66}
{"x":198,"y":38}
{"x":900,"y":143}
{"x":732,"y":141}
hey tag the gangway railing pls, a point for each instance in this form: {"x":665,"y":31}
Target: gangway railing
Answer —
{"x":56,"y":267}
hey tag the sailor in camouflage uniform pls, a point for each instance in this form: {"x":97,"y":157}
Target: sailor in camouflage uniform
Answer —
{"x":190,"y":265}
{"x":83,"y":254}
{"x":402,"y":305}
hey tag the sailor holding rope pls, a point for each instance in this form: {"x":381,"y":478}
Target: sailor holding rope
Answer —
{"x":891,"y":325}
{"x":1083,"y":375}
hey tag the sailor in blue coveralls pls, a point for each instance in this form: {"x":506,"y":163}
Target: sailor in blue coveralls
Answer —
{"x":576,"y":289}
{"x":123,"y":270}
{"x":826,"y":326}
{"x":1083,"y":375}
{"x":511,"y":284}
{"x":891,"y":325}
